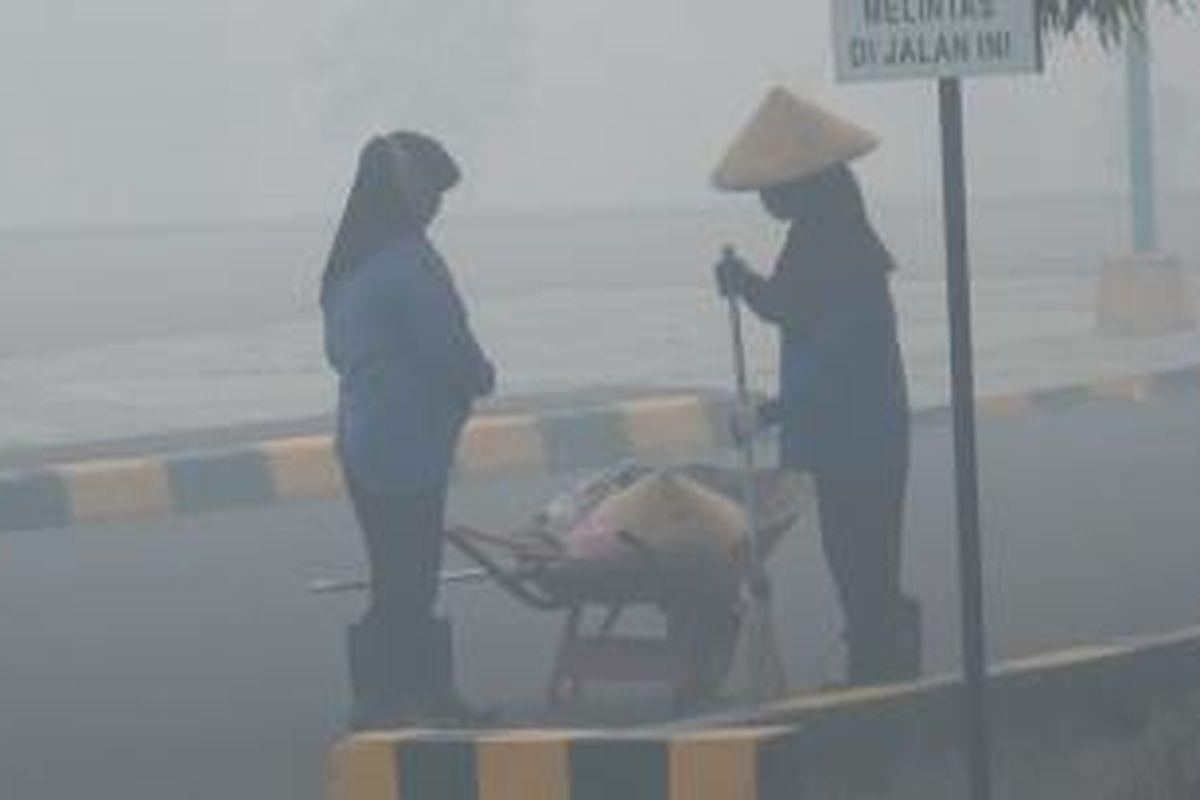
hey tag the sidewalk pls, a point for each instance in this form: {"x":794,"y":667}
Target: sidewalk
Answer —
{"x":1031,"y":333}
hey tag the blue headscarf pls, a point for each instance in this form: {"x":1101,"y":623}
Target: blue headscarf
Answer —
{"x":397,"y":189}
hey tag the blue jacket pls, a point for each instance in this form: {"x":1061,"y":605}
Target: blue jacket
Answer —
{"x":409,"y":367}
{"x":843,"y":403}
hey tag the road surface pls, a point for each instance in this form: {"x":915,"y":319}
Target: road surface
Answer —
{"x":179,"y":659}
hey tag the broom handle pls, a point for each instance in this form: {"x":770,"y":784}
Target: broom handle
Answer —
{"x":767,"y":668}
{"x":749,"y":498}
{"x":338,"y":586}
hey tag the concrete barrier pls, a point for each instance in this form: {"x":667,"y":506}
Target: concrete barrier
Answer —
{"x":1145,"y":295}
{"x":305,"y":468}
{"x":1097,"y":722}
{"x":1112,"y":722}
{"x":754,"y":763}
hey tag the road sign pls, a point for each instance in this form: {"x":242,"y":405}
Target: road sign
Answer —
{"x":877,"y":40}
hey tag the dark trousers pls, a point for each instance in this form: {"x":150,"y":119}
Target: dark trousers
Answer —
{"x":861,"y":523}
{"x":399,"y":652}
{"x":402,"y":535}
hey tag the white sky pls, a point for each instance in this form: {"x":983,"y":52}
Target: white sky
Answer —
{"x":143,"y":110}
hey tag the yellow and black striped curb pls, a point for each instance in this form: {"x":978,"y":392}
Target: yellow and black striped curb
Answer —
{"x":305,"y":468}
{"x":1129,"y":389}
{"x":756,"y":763}
{"x":1048,"y":714}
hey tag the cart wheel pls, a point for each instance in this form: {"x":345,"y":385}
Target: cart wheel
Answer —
{"x":705,"y":636}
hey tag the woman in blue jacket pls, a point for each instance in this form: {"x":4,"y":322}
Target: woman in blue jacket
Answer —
{"x":843,"y":405}
{"x":409,"y":369}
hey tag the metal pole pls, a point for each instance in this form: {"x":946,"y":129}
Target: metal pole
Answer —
{"x":762,"y":647}
{"x":958,"y":297}
{"x":340,"y":585}
{"x":767,"y":675}
{"x":1140,"y":101}
{"x":747,"y":446}
{"x":742,"y":386}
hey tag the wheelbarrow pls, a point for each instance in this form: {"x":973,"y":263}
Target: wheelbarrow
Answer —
{"x":698,"y":596}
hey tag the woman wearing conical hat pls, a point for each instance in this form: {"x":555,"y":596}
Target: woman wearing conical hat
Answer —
{"x":843,"y":405}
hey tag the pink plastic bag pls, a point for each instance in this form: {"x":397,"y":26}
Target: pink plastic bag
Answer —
{"x":594,"y":537}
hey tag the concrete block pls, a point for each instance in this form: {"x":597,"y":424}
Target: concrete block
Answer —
{"x":1145,"y":295}
{"x":759,"y":763}
{"x":585,"y":440}
{"x":34,"y":500}
{"x":667,"y":425}
{"x":304,"y":468}
{"x":498,"y":443}
{"x":117,"y":489}
{"x":220,"y":481}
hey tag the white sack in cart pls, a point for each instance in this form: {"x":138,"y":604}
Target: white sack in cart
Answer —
{"x":691,"y":511}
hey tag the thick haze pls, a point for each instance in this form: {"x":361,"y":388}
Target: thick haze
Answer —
{"x":139,"y":110}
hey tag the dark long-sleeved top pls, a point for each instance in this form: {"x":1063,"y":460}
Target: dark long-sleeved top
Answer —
{"x":409,"y":367}
{"x":843,"y":402}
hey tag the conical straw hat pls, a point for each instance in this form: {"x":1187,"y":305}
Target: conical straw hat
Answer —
{"x":788,"y":139}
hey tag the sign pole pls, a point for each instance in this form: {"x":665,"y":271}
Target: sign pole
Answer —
{"x":875,"y":41}
{"x":958,"y":298}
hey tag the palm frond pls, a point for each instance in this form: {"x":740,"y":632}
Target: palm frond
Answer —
{"x":1110,"y":18}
